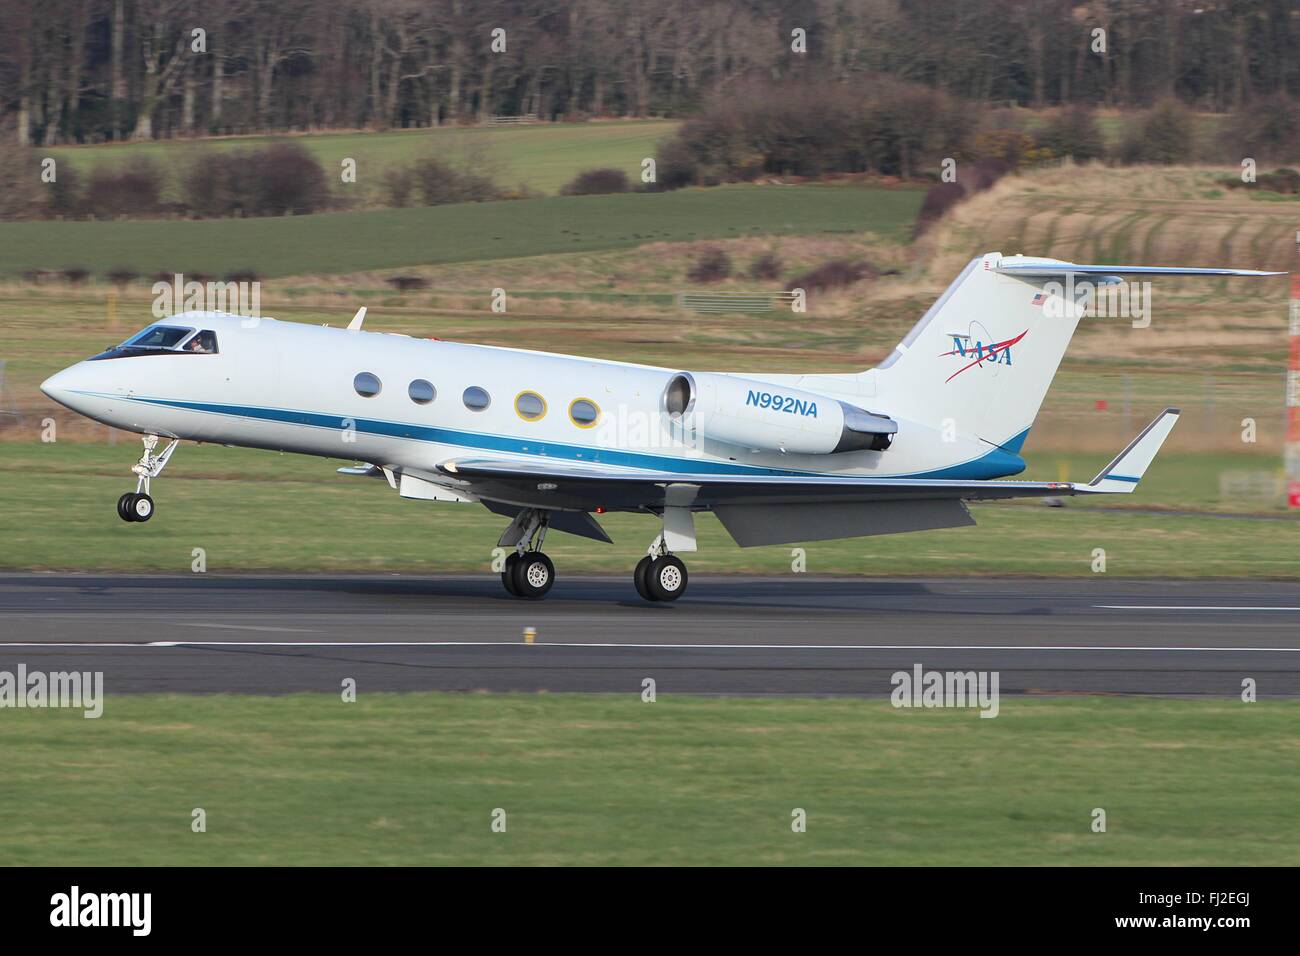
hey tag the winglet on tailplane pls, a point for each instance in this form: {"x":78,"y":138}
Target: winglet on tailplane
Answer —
{"x":1122,"y":475}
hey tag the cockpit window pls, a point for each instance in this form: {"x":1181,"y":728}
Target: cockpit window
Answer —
{"x":163,"y":340}
{"x":205,"y":343}
{"x":158,"y":337}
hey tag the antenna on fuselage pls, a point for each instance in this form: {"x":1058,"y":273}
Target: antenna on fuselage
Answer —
{"x":355,"y":324}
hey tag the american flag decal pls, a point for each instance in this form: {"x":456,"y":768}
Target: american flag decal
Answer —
{"x":1039,"y":299}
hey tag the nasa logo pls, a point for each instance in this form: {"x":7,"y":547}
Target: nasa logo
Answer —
{"x":972,"y":349}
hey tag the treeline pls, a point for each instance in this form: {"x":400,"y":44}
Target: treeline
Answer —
{"x":94,"y":70}
{"x":796,"y":129}
{"x":899,"y":129}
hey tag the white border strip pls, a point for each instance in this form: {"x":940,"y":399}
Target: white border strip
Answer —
{"x":674,"y":647}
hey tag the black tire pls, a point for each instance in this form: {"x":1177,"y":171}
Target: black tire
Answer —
{"x":667,"y":578}
{"x":508,"y":572}
{"x":141,"y":507}
{"x":641,"y":578}
{"x":124,"y":506}
{"x":533,"y":575}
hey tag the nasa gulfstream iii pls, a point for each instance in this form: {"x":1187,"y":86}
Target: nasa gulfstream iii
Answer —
{"x":549,"y":441}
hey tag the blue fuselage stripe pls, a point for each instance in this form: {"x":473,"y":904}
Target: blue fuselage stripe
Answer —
{"x":996,"y":464}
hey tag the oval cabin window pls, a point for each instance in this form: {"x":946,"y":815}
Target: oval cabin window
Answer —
{"x":367,"y":385}
{"x":421,"y":392}
{"x":584,"y":412}
{"x":530,"y":406}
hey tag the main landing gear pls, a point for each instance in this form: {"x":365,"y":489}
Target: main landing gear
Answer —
{"x":528,"y":573}
{"x":660,"y":576}
{"x":138,"y":505}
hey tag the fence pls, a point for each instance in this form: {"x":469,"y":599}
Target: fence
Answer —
{"x":503,"y":120}
{"x":717,"y":302}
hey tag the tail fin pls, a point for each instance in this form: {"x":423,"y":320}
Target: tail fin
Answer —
{"x":982,"y":356}
{"x":986,"y":352}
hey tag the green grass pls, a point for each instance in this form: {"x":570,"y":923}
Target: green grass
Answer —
{"x":263,"y":511}
{"x":541,"y":157}
{"x":392,"y":238}
{"x":414,"y":779}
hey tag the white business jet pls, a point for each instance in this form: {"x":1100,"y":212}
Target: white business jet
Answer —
{"x":549,"y":441}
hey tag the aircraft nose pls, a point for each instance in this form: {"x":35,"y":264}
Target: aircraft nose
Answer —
{"x":68,"y":387}
{"x":58,"y":385}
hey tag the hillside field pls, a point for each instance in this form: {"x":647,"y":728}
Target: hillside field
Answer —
{"x":392,"y":238}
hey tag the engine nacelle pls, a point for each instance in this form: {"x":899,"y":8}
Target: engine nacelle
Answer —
{"x":768,"y":417}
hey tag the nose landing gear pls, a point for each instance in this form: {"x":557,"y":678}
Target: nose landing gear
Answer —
{"x":138,"y":505}
{"x":134,"y":506}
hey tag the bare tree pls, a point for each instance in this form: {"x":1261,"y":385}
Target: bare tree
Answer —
{"x":164,"y":54}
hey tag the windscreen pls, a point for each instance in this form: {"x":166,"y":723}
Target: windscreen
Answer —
{"x":158,"y":337}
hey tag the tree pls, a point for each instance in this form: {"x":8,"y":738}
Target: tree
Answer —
{"x":164,"y":51}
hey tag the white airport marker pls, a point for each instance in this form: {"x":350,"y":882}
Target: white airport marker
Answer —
{"x":1190,"y":607}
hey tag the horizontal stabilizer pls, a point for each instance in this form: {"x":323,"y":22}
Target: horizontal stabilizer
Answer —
{"x":1037,"y":270}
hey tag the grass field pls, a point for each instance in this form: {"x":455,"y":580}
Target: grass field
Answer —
{"x":414,"y":779}
{"x":542,"y":157}
{"x":258,"y":511}
{"x":391,"y":238}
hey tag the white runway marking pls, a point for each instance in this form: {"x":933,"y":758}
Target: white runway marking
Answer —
{"x":1190,"y":607}
{"x":670,"y":647}
{"x":246,"y":627}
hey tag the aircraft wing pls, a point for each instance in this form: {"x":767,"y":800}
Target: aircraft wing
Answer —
{"x":769,"y":509}
{"x":1046,"y":270}
{"x":590,"y":486}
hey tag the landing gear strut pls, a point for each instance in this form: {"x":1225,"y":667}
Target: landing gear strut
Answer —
{"x":660,"y":576}
{"x":528,"y":573}
{"x":138,"y":505}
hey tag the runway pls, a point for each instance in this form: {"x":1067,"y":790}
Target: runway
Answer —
{"x":789,"y":634}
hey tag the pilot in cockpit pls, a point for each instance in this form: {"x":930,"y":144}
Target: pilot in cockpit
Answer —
{"x":205,"y":342}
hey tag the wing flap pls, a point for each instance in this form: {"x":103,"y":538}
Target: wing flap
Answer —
{"x":754,"y":525}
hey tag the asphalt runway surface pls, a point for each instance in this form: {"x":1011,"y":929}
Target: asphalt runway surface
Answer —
{"x":790,"y":634}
